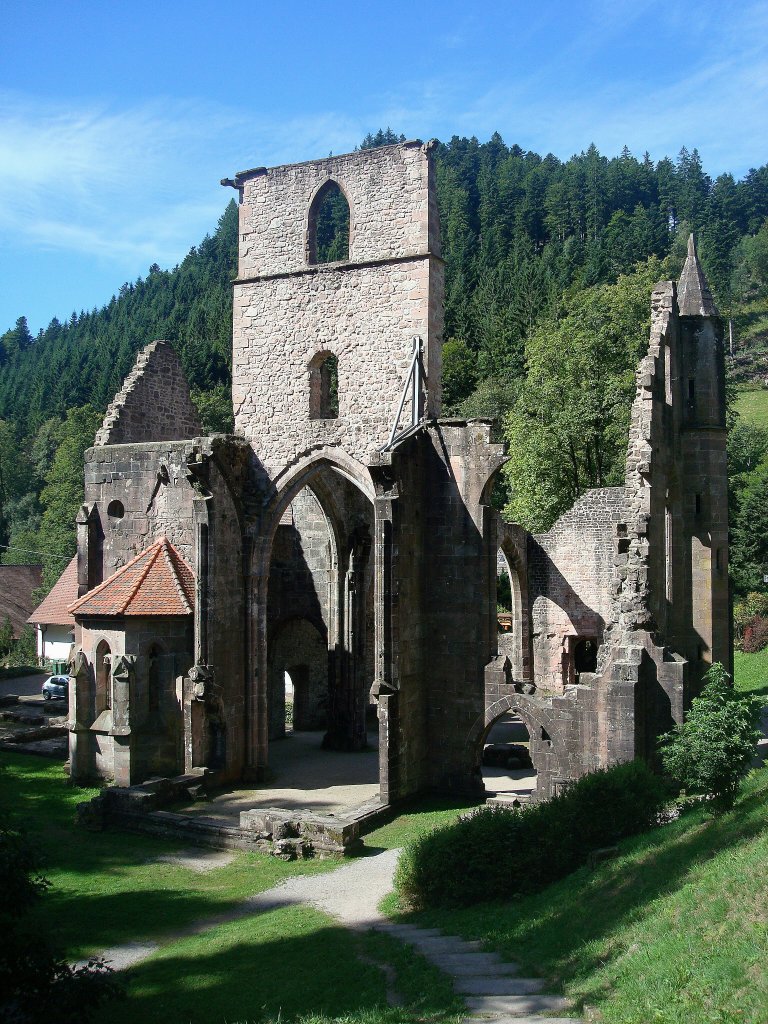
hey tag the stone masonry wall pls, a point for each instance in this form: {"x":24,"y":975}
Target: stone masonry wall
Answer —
{"x":571,"y":577}
{"x":153,"y":403}
{"x":365,"y":310}
{"x":389,"y":205}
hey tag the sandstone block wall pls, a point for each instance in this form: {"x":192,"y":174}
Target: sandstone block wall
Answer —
{"x":365,"y":310}
{"x":153,"y":403}
{"x":572,"y":571}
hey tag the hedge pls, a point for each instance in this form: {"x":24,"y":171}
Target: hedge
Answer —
{"x":499,"y":852}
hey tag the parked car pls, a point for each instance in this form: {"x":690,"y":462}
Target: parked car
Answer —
{"x":56,"y":688}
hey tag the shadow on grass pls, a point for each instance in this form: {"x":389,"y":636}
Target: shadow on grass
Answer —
{"x":83,"y":924}
{"x":282,"y":964}
{"x":549,"y":932}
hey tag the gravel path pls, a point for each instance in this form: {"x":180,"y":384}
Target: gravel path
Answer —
{"x":491,"y":987}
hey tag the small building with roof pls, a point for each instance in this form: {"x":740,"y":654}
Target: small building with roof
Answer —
{"x":54,"y":625}
{"x":135,"y":647}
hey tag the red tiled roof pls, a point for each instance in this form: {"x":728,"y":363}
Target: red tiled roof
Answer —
{"x":53,"y":610}
{"x":156,"y":582}
{"x":16,"y":585}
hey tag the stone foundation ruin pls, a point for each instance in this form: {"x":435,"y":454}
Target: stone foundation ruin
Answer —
{"x":344,"y":536}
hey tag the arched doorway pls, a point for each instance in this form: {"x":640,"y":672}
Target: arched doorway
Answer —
{"x":298,"y":676}
{"x":507,"y":767}
{"x":317,"y":614}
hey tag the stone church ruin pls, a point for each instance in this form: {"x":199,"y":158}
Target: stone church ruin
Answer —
{"x":344,"y":539}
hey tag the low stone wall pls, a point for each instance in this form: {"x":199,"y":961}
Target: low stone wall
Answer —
{"x":273,"y":830}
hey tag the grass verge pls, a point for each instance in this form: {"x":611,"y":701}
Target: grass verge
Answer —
{"x":750,"y":672}
{"x":286,"y":964}
{"x":672,"y":931}
{"x":414,"y":820}
{"x":111,"y":887}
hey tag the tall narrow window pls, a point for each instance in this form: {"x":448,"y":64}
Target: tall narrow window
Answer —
{"x":328,"y":227}
{"x":103,"y":672}
{"x":324,"y":387}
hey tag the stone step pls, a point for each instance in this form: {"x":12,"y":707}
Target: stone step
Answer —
{"x":506,"y":986}
{"x":407,"y":930}
{"x":483,"y":964}
{"x":438,"y":942}
{"x":526,"y":1019}
{"x":515,"y":1006}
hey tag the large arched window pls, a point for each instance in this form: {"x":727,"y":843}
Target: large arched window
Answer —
{"x":324,"y":387}
{"x":103,"y":671}
{"x":328,"y":226}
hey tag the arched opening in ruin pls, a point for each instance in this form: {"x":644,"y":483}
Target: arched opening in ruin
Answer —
{"x":103,"y":676}
{"x":585,"y":655}
{"x":511,"y":615}
{"x":324,"y":387}
{"x":328,"y":228}
{"x":506,"y":765}
{"x":298,"y":678}
{"x":322,"y":740}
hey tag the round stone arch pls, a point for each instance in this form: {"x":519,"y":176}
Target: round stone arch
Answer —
{"x":547,"y":742}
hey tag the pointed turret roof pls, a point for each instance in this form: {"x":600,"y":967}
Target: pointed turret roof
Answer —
{"x":693,"y":295}
{"x":156,"y":582}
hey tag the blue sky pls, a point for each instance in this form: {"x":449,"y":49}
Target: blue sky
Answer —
{"x":118,"y":119}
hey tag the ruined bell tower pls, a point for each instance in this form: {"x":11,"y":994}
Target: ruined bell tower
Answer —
{"x":291,"y":313}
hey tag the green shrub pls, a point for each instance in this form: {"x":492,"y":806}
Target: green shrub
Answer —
{"x":746,"y":612}
{"x":712,"y":749}
{"x":499,"y":852}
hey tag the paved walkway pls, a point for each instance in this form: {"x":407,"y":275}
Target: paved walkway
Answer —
{"x":491,"y":988}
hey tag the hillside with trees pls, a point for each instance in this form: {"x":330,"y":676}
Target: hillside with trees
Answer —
{"x":549,"y":268}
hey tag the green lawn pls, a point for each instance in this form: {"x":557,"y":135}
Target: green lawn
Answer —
{"x":750,"y":672}
{"x":752,"y":406}
{"x":286,"y":964}
{"x":414,"y":820}
{"x":109,"y":887}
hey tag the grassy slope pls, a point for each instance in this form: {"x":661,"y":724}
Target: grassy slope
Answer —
{"x":752,"y":406}
{"x":750,"y":672}
{"x":673,"y":931}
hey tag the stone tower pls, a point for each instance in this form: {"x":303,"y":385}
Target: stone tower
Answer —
{"x":291,"y":312}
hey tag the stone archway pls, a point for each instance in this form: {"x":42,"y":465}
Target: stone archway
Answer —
{"x":547,"y":742}
{"x":315,"y":563}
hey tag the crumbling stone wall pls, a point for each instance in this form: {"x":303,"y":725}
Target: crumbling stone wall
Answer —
{"x":153,"y":403}
{"x":190,"y":492}
{"x":571,"y":576}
